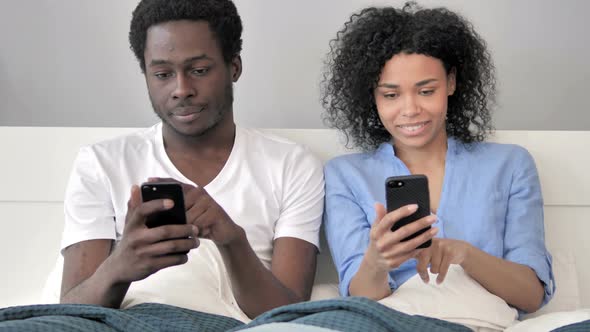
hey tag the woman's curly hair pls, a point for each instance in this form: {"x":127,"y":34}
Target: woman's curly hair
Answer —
{"x":373,"y":36}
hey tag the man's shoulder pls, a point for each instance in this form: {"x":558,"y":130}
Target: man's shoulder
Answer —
{"x":133,"y":141}
{"x":269,"y":144}
{"x":263,"y":137}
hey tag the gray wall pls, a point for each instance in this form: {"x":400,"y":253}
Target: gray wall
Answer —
{"x":68,"y":63}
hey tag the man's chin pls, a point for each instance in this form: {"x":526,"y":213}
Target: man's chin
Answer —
{"x":191,"y":129}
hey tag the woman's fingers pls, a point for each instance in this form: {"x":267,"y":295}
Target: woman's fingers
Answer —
{"x":386,"y":223}
{"x":423,"y":259}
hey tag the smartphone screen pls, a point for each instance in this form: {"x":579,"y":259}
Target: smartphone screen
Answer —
{"x":405,"y":190}
{"x":164,"y":190}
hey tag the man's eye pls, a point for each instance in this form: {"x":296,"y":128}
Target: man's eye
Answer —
{"x":200,"y":71}
{"x":162,"y":76}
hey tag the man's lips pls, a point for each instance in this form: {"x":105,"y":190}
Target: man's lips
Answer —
{"x":187,"y":110}
{"x":187,"y":114}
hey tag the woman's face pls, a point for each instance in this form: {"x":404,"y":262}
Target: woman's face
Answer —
{"x":411,"y":98}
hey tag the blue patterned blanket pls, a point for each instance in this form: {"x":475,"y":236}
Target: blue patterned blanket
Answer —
{"x":352,"y":314}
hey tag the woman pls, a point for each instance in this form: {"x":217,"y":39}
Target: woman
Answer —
{"x":414,"y":88}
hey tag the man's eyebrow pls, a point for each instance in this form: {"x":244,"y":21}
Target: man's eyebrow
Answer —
{"x":395,"y":86}
{"x":156,"y":62}
{"x":196,"y":58}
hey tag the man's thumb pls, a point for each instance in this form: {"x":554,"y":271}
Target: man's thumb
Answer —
{"x":135,"y":198}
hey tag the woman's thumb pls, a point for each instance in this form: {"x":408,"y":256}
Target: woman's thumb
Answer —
{"x":380,"y":212}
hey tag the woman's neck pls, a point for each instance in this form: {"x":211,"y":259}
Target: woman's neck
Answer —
{"x":425,"y":157}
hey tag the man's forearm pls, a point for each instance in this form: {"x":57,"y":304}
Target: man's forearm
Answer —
{"x":255,"y":287}
{"x":98,"y":289}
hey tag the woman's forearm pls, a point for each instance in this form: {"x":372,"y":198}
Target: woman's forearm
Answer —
{"x":369,"y":282}
{"x":517,"y":284}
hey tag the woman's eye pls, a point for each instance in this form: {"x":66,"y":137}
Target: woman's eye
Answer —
{"x":390,"y":95}
{"x":426,"y":92}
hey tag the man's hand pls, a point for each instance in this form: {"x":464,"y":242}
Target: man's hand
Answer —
{"x":209,"y":217}
{"x":144,"y":251}
{"x":256,"y":288}
{"x":440,"y":255}
{"x":386,"y":250}
{"x":95,"y":275}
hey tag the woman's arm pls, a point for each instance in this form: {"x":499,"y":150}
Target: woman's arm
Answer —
{"x":522,"y":276}
{"x":517,"y":284}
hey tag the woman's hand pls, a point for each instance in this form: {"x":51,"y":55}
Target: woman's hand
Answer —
{"x":386,"y":250}
{"x":440,"y":255}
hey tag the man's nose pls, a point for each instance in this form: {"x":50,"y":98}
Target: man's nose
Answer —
{"x":184,"y":88}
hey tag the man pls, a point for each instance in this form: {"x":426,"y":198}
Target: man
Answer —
{"x":253,"y":201}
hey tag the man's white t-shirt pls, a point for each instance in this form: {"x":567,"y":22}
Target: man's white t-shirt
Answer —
{"x":270,"y":186}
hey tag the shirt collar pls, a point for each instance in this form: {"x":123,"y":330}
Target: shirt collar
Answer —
{"x":386,"y":150}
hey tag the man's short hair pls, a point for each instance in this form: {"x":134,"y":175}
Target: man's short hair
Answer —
{"x":222,"y":16}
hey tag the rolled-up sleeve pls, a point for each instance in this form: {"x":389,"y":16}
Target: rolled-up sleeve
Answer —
{"x":524,"y":239}
{"x":346,"y":224}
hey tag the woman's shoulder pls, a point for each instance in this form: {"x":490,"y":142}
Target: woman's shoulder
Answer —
{"x":491,"y":153}
{"x":496,"y":151}
{"x":356,"y":160}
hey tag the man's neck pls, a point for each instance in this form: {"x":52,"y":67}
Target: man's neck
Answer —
{"x":200,"y":159}
{"x":217,"y":139}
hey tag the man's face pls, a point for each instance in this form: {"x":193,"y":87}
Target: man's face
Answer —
{"x":189,"y":83}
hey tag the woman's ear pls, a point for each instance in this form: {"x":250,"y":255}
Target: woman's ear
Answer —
{"x":452,"y":81}
{"x":236,"y":68}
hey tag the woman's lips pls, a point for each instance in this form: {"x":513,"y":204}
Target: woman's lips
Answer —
{"x":413,"y":129}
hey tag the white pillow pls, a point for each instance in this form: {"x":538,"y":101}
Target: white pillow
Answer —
{"x":176,"y":285}
{"x":567,"y":292}
{"x":459,"y":299}
{"x":52,"y":288}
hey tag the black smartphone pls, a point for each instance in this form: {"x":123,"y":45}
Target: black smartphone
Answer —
{"x":405,"y":190}
{"x":163,"y":190}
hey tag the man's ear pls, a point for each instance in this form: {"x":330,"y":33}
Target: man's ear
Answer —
{"x":452,"y":81}
{"x":236,"y":68}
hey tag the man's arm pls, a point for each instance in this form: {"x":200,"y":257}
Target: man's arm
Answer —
{"x":95,"y":275}
{"x":83,"y":281}
{"x":256,"y":288}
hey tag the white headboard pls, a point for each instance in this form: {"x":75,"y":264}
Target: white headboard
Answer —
{"x":37,"y":160}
